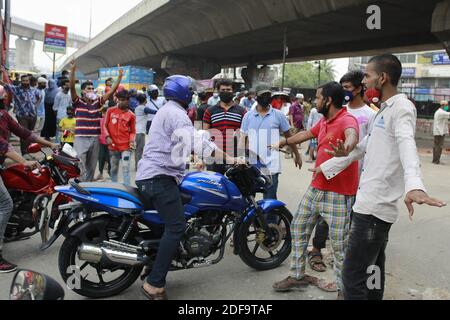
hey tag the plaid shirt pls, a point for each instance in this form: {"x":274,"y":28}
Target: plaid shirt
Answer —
{"x":25,"y":100}
{"x":7,"y":126}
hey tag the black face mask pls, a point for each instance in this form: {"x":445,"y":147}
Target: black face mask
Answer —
{"x":226,"y":97}
{"x":264,"y":101}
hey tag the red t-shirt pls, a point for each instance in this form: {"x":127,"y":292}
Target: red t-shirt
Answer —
{"x":120,"y":126}
{"x":346,"y":183}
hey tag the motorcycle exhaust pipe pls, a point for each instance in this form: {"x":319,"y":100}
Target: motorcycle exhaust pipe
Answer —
{"x":96,"y":254}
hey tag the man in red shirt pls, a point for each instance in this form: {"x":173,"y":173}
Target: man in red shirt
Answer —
{"x":120,"y":130}
{"x":333,"y":199}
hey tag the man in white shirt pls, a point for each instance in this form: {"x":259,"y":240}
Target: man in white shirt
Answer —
{"x":352,"y":84}
{"x":155,"y":102}
{"x":391,"y":169}
{"x":314,"y":118}
{"x":62,"y":100}
{"x":215,"y":99}
{"x":440,"y":129}
{"x":142,"y":112}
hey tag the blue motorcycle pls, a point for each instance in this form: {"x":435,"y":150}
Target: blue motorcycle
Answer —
{"x":112,"y":233}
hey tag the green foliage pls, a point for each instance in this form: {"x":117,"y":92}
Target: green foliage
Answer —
{"x":306,"y":75}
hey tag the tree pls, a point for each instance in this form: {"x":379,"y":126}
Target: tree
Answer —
{"x":306,"y":74}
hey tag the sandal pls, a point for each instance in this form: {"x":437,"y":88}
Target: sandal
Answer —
{"x":316,"y":262}
{"x":157,"y":296}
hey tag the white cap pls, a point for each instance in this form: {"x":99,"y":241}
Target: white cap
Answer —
{"x":300,"y":96}
{"x":153,"y":88}
{"x":42,"y":80}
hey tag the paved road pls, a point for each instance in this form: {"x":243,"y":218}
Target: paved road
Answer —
{"x":417,"y":256}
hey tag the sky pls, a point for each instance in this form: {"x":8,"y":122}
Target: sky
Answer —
{"x":73,"y":14}
{"x":76,"y":16}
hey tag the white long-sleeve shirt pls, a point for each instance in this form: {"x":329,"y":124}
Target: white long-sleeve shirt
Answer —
{"x":391,"y":162}
{"x":440,"y":124}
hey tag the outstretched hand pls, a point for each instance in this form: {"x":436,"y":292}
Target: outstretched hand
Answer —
{"x":339,"y":150}
{"x":420,"y":197}
{"x":120,"y":71}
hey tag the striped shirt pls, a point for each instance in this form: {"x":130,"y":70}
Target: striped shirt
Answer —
{"x":88,"y":118}
{"x":225,"y":121}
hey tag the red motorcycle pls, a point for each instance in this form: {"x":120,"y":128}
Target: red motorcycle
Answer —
{"x":32,"y":192}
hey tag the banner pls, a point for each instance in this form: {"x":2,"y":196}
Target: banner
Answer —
{"x":441,"y":58}
{"x":55,"y":39}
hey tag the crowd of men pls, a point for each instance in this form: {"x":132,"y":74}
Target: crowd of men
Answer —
{"x":360,"y":134}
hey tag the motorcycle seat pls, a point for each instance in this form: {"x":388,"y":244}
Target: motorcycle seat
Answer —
{"x":148,"y":205}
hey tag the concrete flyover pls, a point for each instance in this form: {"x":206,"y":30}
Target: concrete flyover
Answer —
{"x":201,"y":36}
{"x":34,"y":31}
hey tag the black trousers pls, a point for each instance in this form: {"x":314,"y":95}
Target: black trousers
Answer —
{"x":29,"y":123}
{"x":165,"y":195}
{"x":363,"y":275}
{"x":321,"y":234}
{"x":103,"y":157}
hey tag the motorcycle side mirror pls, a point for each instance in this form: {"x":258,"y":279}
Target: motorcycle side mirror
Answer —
{"x":34,"y":148}
{"x":30,"y":285}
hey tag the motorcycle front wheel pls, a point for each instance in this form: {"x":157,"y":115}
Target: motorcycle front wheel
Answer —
{"x":257,"y":250}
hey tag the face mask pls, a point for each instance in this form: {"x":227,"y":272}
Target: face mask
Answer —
{"x":154,"y":95}
{"x":446,"y":108}
{"x":373,"y":95}
{"x":264,"y":101}
{"x":91,"y":96}
{"x":348,"y":97}
{"x":215,"y":95}
{"x":226,"y":97}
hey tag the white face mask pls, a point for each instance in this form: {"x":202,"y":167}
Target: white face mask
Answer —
{"x":216,"y":94}
{"x":92,"y":96}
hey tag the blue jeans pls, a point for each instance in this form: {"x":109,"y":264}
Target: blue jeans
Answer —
{"x":271,"y":194}
{"x":164,"y":194}
{"x":116,"y":157}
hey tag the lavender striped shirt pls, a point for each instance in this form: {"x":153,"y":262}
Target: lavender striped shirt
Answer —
{"x":172,"y":139}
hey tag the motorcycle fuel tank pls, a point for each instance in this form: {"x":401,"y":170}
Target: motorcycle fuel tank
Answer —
{"x":211,"y":190}
{"x":17,"y":177}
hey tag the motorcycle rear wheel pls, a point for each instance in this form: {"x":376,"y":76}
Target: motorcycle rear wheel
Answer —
{"x":277,"y":251}
{"x":68,"y":258}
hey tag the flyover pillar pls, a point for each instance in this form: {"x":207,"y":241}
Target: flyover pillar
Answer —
{"x":25,"y":54}
{"x":200,"y":69}
{"x":440,"y":25}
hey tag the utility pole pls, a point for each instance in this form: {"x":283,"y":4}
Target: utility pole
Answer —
{"x":285,"y":52}
{"x":7,"y":24}
{"x":320,"y":70}
{"x":319,"y":63}
{"x":90,"y":24}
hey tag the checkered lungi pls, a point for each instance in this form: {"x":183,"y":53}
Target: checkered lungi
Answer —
{"x":336,"y":210}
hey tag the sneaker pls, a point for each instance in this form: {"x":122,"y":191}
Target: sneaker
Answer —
{"x":290,"y":283}
{"x":6,"y":267}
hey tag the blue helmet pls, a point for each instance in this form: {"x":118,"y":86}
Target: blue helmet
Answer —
{"x":179,"y":88}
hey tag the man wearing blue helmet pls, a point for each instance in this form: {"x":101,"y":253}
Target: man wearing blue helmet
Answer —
{"x":162,"y":168}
